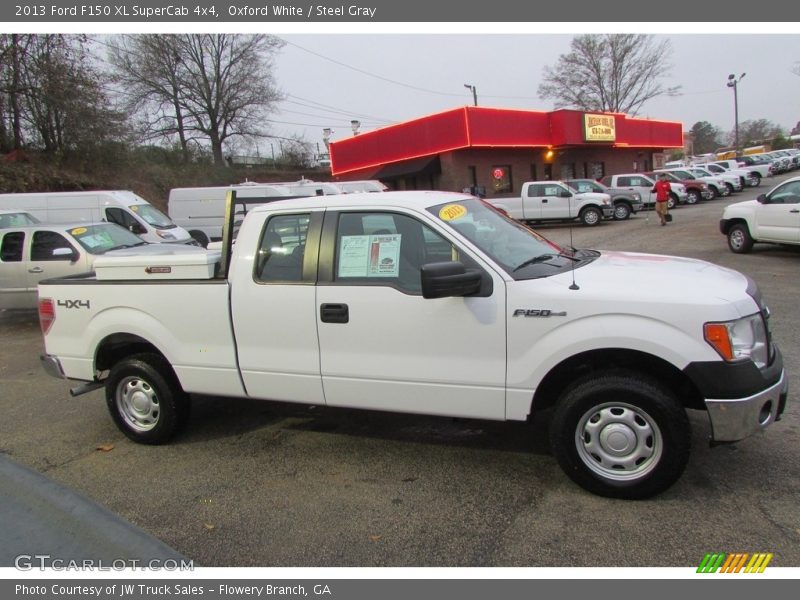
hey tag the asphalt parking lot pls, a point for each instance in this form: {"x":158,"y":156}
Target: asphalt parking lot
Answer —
{"x":262,"y":484}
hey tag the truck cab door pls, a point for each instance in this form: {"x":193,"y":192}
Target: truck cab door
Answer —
{"x":532,"y":202}
{"x":14,"y":291}
{"x":385,"y":347}
{"x":273,"y":307}
{"x":557,"y":201}
{"x":52,"y":255}
{"x":778,"y":217}
{"x":641,"y":185}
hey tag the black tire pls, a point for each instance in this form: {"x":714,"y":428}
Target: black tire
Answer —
{"x":692,"y":197}
{"x":715,"y":192}
{"x":145,"y":399}
{"x":621,"y":408}
{"x":591,"y":216}
{"x":756,"y":179}
{"x":622,"y":211}
{"x":730,"y":187}
{"x":199,"y":237}
{"x":739,"y":239}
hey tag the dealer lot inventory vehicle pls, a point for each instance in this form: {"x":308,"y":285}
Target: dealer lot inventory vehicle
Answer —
{"x":555,"y":201}
{"x":122,"y":207}
{"x":695,"y":190}
{"x":625,"y":202}
{"x":35,"y":252}
{"x":641,"y":183}
{"x":16,"y":218}
{"x":773,"y":217}
{"x":487,"y":320}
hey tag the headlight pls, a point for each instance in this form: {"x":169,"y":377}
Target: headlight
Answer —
{"x":740,"y":339}
{"x":607,"y":202}
{"x":166,"y":235}
{"x":637,"y":196}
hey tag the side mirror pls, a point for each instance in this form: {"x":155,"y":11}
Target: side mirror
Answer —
{"x":762,"y":199}
{"x":137,"y":229}
{"x":565,"y":194}
{"x":449,"y":279}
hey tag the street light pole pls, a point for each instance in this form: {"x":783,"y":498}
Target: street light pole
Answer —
{"x":474,"y":91}
{"x":733,"y":82}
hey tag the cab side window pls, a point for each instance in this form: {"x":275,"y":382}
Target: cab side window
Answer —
{"x":11,"y":248}
{"x":788,"y":194}
{"x":282,"y":249}
{"x":387,"y":249}
{"x":122,"y":218}
{"x":44,"y":242}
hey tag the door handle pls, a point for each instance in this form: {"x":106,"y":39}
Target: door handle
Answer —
{"x":334,"y":313}
{"x":36,"y":270}
{"x":544,"y":200}
{"x":795,"y":210}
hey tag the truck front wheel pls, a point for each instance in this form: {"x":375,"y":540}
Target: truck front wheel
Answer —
{"x":739,"y":239}
{"x":621,"y":435}
{"x":590,"y":216}
{"x":145,"y":399}
{"x":622,"y":211}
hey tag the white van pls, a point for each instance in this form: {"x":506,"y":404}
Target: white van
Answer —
{"x":308,"y":187}
{"x":364,"y":185}
{"x":121,"y":207}
{"x":201,"y":210}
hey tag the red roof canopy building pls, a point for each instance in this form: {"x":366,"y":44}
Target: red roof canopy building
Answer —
{"x":499,"y":149}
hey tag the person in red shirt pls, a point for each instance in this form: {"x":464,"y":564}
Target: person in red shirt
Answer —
{"x":662,"y":190}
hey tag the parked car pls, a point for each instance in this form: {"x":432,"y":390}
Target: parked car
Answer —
{"x":122,"y":207}
{"x":625,"y":202}
{"x":16,"y":218}
{"x":555,"y":201}
{"x":773,"y":217}
{"x":35,"y":252}
{"x":695,"y":190}
{"x":641,"y":183}
{"x":715,"y":184}
{"x":732,"y":181}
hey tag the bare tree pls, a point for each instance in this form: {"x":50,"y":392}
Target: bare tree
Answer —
{"x":609,"y":73}
{"x":227,"y":85}
{"x":149,"y":68}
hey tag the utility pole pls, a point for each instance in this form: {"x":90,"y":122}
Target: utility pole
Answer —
{"x":474,"y":91}
{"x":733,"y":82}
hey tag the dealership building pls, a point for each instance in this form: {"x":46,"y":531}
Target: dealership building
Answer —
{"x":495,"y":150}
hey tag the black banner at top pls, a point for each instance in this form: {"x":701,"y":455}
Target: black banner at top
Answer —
{"x":674,"y":12}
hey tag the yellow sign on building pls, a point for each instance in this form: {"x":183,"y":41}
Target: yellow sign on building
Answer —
{"x":599,"y":128}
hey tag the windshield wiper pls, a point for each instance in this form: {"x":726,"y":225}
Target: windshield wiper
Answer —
{"x":543,"y":258}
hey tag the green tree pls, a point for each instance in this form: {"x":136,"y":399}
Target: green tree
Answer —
{"x":706,"y":137}
{"x":609,"y":73}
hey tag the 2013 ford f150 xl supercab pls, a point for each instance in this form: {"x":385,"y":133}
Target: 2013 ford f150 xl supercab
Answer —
{"x":428,"y":302}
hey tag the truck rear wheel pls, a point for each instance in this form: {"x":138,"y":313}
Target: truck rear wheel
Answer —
{"x":590,"y":216}
{"x":739,"y":239}
{"x":621,"y":435}
{"x":145,"y":399}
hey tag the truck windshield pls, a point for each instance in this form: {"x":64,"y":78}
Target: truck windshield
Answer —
{"x":520,"y":251}
{"x":152,"y":216}
{"x":100,"y":238}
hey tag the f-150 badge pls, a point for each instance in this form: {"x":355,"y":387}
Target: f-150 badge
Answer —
{"x":538,"y":312}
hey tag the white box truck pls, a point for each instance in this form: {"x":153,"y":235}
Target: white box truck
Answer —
{"x":122,"y":207}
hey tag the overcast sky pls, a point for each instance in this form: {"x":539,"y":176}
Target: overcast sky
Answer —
{"x":384,"y":78}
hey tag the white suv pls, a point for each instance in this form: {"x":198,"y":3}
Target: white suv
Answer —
{"x":773,"y":217}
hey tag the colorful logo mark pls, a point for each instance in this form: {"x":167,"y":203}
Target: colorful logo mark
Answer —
{"x":740,"y":562}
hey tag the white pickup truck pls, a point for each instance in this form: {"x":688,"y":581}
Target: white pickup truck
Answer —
{"x":773,"y":217}
{"x":556,"y":201}
{"x":429,"y":302}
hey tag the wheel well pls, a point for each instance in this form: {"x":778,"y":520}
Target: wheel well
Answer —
{"x":576,"y":367}
{"x":117,"y":346}
{"x":737,"y":221}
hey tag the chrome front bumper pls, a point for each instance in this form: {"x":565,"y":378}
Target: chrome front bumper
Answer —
{"x":735,"y":419}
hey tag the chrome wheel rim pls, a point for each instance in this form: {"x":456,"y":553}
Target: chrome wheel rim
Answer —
{"x":621,"y":212}
{"x":736,"y":238}
{"x":137,"y":403}
{"x":618,"y":441}
{"x":591,"y":217}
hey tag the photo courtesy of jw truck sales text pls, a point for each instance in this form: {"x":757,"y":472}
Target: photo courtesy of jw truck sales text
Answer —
{"x":511,"y":323}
